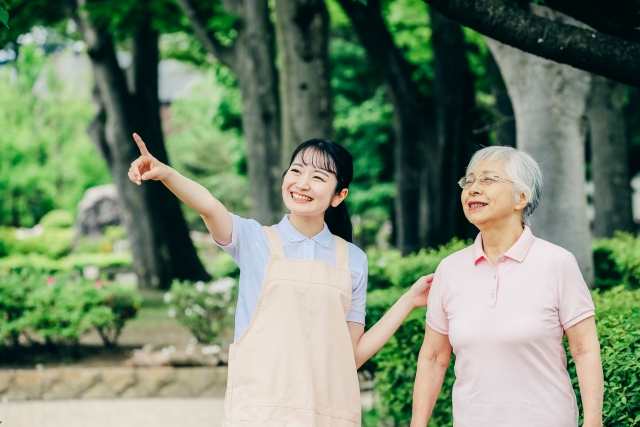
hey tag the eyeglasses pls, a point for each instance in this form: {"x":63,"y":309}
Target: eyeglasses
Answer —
{"x":484,"y":180}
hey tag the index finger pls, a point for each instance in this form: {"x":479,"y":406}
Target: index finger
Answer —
{"x":141,"y":146}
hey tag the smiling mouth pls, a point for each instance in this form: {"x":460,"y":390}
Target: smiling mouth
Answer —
{"x":476,"y":206}
{"x":300,"y":198}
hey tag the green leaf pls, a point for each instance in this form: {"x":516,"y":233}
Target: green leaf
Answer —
{"x":4,"y":18}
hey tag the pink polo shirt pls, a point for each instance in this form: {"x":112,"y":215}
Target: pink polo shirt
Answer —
{"x":505,"y":324}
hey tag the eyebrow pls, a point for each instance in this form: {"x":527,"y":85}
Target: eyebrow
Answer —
{"x":315,"y":170}
{"x":483,"y":172}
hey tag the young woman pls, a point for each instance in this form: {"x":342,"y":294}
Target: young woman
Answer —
{"x":299,"y":336}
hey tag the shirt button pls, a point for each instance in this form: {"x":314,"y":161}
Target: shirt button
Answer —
{"x":493,"y":295}
{"x":308,"y":242}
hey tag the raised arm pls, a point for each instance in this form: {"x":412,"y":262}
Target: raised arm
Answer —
{"x":365,"y":345}
{"x":433,"y":361}
{"x":585,"y":349}
{"x":215,"y":215}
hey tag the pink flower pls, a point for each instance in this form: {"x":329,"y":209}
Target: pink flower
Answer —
{"x":98,"y":284}
{"x":51,"y":280}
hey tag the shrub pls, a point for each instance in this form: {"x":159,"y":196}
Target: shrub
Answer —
{"x":61,"y":308}
{"x":69,"y":263}
{"x":205,"y":309}
{"x":57,"y":218}
{"x":52,"y":243}
{"x":390,"y":268}
{"x":617,"y":260}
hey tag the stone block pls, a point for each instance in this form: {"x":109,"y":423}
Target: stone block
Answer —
{"x":149,"y":382}
{"x":32,"y":384}
{"x":73,"y":383}
{"x":114,"y":381}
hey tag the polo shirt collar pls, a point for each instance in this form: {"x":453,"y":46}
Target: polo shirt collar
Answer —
{"x":289,"y":232}
{"x":516,"y":252}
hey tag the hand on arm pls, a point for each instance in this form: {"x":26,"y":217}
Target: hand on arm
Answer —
{"x":585,"y":349}
{"x":215,"y":215}
{"x":433,"y":361}
{"x":367,"y":344}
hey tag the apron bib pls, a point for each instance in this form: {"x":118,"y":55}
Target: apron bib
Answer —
{"x":294,"y":365}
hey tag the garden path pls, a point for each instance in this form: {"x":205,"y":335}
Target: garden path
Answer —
{"x":165,"y":412}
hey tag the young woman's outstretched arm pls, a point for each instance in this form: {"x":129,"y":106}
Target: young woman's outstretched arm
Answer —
{"x":365,"y":345}
{"x":215,"y":215}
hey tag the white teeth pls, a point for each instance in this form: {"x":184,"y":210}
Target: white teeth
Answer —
{"x":477,"y":205}
{"x":300,"y":197}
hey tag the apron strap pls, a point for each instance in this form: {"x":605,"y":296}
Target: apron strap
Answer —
{"x":275,"y":244}
{"x":342,"y":253}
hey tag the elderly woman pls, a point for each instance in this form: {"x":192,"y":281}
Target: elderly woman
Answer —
{"x":503,"y":305}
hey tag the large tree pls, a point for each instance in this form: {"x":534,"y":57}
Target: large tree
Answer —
{"x":609,"y":159}
{"x":251,"y":56}
{"x":550,"y":102}
{"x":302,"y":28}
{"x":612,"y":51}
{"x":160,"y":243}
{"x":433,"y":134}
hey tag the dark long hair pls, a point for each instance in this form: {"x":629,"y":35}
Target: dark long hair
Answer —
{"x":334,"y":158}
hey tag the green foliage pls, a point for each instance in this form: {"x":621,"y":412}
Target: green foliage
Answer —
{"x":618,"y":321}
{"x":46,"y":158}
{"x":389,"y":268}
{"x":205,"y":309}
{"x":73,"y":262}
{"x":617,"y":260}
{"x":52,"y":243}
{"x":57,"y":218}
{"x":61,"y":308}
{"x":4,"y":17}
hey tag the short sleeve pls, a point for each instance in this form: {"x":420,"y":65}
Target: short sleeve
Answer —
{"x":574,"y":300}
{"x":244,"y":236}
{"x":359,"y":295}
{"x":436,"y":310}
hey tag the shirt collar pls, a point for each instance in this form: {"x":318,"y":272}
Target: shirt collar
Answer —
{"x":517,"y":252}
{"x":324,"y":237}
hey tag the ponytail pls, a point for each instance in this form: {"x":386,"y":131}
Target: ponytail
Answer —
{"x":334,"y":158}
{"x":339,"y":222}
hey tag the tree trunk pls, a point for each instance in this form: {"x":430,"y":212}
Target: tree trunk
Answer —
{"x":169,"y":223}
{"x":609,"y":159}
{"x":505,"y":125}
{"x":302,"y":29}
{"x":252,"y":59}
{"x":456,"y":116}
{"x":120,"y":118}
{"x":550,"y":102}
{"x":414,"y":161}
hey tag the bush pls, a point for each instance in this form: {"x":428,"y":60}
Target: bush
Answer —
{"x":389,"y":268}
{"x":205,"y":309}
{"x":73,"y":262}
{"x":52,"y":243}
{"x":57,"y":218}
{"x":618,"y":322}
{"x":617,"y":260}
{"x":60,"y":309}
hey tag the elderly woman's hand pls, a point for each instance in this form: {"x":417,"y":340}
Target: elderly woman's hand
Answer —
{"x":419,"y":291}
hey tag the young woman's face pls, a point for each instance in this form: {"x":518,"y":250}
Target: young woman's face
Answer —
{"x":308,"y":190}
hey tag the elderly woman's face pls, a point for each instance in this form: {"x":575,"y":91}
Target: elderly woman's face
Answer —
{"x":492,"y":200}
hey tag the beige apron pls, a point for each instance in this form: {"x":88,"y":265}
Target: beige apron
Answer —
{"x":294,"y":365}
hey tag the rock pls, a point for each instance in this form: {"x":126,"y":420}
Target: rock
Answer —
{"x":99,"y":208}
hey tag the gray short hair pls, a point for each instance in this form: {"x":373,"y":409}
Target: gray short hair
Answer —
{"x":521,"y":167}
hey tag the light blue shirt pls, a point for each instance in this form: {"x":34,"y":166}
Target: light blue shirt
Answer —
{"x":249,"y":248}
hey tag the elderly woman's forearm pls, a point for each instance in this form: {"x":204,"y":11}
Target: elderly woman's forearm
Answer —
{"x":591,"y":380}
{"x":429,"y":377}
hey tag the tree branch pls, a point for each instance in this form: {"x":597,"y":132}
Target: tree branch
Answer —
{"x":585,"y":49}
{"x":221,"y":53}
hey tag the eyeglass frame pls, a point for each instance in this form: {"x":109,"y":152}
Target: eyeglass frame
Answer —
{"x":463,"y":186}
